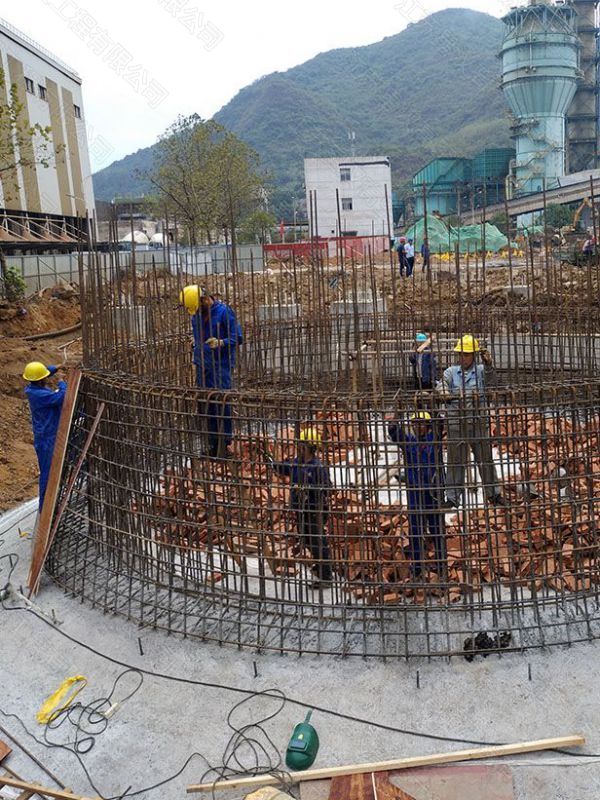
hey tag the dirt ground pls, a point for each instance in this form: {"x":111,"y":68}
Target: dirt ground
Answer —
{"x":49,"y":311}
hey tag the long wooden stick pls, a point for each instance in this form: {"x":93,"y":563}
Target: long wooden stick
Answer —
{"x":41,"y":790}
{"x":397,"y":764}
{"x":67,"y":496}
{"x":56,"y":467}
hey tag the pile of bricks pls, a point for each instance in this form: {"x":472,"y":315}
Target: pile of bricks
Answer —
{"x":545,"y":537}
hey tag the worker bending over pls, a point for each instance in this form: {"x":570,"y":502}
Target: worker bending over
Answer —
{"x":310,"y":489}
{"x":463,"y":387}
{"x":217,"y":336}
{"x":424,"y":479}
{"x":45,"y":405}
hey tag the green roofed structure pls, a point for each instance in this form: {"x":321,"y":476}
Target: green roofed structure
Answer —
{"x":459,"y":184}
{"x":469,"y":238}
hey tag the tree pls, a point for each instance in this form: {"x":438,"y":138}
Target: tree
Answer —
{"x":501,"y":221}
{"x":206,"y":177}
{"x":22,"y":145}
{"x":558,"y":216}
{"x":257,"y":226}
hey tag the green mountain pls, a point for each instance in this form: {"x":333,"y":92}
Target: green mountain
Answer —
{"x":430,"y":90}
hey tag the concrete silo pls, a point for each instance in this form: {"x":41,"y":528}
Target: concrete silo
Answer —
{"x":584,"y":113}
{"x":540,"y":74}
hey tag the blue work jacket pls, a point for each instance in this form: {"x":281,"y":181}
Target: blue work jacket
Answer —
{"x":310,"y":483}
{"x":422,"y":457}
{"x":425,"y":366}
{"x":215,"y":366}
{"x":45,"y":405}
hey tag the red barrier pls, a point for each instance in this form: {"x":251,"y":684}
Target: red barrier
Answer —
{"x":353,"y":247}
{"x":299,"y":249}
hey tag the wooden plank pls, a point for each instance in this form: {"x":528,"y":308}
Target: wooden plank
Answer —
{"x":67,"y":495}
{"x":467,"y":781}
{"x":352,"y":787}
{"x":28,"y":793}
{"x":59,"y":794}
{"x":5,"y":750}
{"x":397,"y":764}
{"x":384,"y":790}
{"x":40,"y":547}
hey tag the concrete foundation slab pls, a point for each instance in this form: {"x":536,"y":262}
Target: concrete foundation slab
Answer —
{"x":152,"y":735}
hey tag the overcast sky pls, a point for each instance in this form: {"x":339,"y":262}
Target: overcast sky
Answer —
{"x":143,"y":62}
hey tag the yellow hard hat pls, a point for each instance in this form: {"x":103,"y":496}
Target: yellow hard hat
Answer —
{"x":190,"y":298}
{"x":467,"y":344}
{"x":421,"y":416}
{"x":310,"y":436}
{"x":35,"y":371}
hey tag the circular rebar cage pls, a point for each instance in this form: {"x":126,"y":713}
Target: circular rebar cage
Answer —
{"x":348,"y":548}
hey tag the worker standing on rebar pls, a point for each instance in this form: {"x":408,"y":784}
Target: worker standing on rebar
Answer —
{"x":310,"y":490}
{"x":424,"y":363}
{"x":45,"y":405}
{"x":409,"y":249}
{"x":217,"y":336}
{"x":463,"y":387}
{"x":425,"y":480}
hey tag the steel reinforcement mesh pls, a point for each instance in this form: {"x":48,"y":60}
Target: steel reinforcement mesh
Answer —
{"x":240,"y":549}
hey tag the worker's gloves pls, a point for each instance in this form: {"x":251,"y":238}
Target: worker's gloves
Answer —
{"x":486,"y":358}
{"x":213,"y":343}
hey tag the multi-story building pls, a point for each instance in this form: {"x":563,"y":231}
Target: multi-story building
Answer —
{"x":44,"y":206}
{"x":363,"y":187}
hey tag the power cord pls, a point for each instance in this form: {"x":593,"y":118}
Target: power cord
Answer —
{"x":89,"y":720}
{"x":249,"y":751}
{"x":242,"y":739}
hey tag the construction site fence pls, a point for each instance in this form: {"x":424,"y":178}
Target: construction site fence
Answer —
{"x":44,"y":271}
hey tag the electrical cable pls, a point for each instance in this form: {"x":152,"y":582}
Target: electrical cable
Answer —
{"x":291,"y":700}
{"x":232,"y":764}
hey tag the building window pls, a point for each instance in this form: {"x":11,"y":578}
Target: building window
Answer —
{"x":42,"y":92}
{"x":77,"y":111}
{"x":345,"y":174}
{"x":346,"y":204}
{"x":29,"y":85}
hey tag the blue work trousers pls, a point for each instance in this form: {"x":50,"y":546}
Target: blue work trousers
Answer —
{"x":44,"y":453}
{"x":425,"y":518}
{"x":216,"y":414}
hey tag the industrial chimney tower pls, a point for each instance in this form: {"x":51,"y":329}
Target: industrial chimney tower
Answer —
{"x":540,"y":76}
{"x":584,"y":114}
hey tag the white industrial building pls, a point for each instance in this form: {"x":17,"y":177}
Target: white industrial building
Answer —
{"x":45,"y":204}
{"x":364,"y":189}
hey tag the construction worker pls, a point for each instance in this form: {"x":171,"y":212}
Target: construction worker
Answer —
{"x":463,"y":388}
{"x":425,"y":254}
{"x":589,"y":247}
{"x":409,"y":249}
{"x":217,"y":336}
{"x":310,"y":489}
{"x":45,"y":405}
{"x":401,"y":250}
{"x":424,"y":363}
{"x":424,"y":479}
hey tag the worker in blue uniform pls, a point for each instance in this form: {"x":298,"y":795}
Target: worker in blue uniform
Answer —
{"x":217,"y":336}
{"x":45,"y":405}
{"x":424,"y":479}
{"x":310,"y":489}
{"x":424,"y":363}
